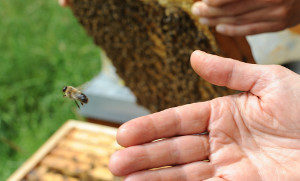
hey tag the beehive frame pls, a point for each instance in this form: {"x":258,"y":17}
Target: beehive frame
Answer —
{"x":150,"y":42}
{"x":52,"y":142}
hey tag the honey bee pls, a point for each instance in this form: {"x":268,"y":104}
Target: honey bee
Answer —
{"x":76,"y":95}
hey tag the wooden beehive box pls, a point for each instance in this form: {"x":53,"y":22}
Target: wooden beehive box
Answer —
{"x":77,"y":151}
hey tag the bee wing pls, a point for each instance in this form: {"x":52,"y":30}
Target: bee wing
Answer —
{"x":76,"y":95}
{"x":81,"y":96}
{"x":83,"y":86}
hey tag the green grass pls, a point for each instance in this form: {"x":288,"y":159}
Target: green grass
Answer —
{"x":42,"y":48}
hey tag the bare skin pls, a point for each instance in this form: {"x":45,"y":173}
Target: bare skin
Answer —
{"x":247,"y":17}
{"x":63,"y":3}
{"x":244,"y":17}
{"x":254,"y":135}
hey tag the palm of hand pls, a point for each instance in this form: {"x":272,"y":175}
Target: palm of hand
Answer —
{"x":253,"y":136}
{"x":247,"y":142}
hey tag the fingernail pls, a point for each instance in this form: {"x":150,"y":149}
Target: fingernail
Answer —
{"x":221,"y":28}
{"x":198,"y":52}
{"x":195,"y":10}
{"x":203,"y":21}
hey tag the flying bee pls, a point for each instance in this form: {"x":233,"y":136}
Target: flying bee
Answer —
{"x":76,"y":95}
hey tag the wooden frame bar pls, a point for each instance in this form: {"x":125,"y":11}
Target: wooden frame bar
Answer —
{"x":53,"y":141}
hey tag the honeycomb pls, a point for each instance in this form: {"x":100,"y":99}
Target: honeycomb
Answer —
{"x":150,"y":43}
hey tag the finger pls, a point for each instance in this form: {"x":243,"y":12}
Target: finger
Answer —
{"x":249,"y":29}
{"x":218,"y":2}
{"x":215,"y":179}
{"x":174,"y":151}
{"x":192,"y":171}
{"x":228,"y":72}
{"x":240,"y":7}
{"x":261,"y":15}
{"x":188,"y":119}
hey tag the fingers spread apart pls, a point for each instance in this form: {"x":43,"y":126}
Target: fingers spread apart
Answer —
{"x":269,"y":14}
{"x":253,"y":16}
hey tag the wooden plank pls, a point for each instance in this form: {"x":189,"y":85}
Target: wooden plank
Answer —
{"x":37,"y":156}
{"x":53,"y":141}
{"x":93,"y":127}
{"x":97,"y":139}
{"x":84,"y":148}
{"x":103,"y":122}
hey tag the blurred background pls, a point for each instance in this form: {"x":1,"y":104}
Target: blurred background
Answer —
{"x":42,"y":49}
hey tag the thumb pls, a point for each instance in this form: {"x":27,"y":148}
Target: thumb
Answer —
{"x":228,"y":72}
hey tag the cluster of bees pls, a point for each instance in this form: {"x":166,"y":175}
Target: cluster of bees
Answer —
{"x":150,"y":45}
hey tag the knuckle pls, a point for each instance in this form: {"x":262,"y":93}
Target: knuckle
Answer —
{"x":283,"y":13}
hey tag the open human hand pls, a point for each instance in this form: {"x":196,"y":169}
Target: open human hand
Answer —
{"x":246,"y":17}
{"x":254,"y":135}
